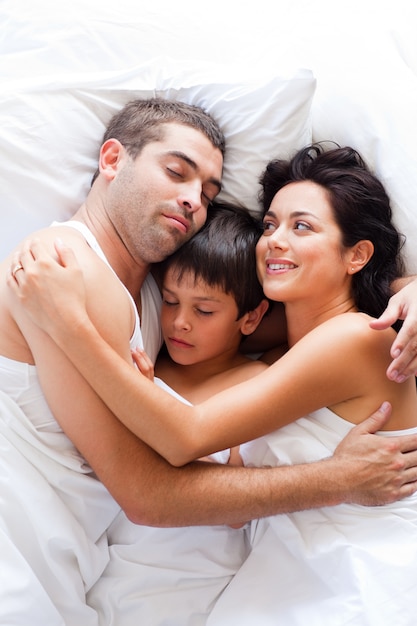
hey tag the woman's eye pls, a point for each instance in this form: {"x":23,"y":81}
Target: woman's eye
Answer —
{"x":267,"y":228}
{"x":302,"y":226}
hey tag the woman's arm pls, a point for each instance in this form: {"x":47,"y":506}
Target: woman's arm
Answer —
{"x":365,"y":468}
{"x":182,"y":433}
{"x":294,"y":386}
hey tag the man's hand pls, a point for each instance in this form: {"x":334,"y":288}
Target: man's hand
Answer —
{"x":380,"y":469}
{"x":402,"y":306}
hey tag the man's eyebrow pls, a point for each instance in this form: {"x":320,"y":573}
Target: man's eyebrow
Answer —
{"x":193,"y":164}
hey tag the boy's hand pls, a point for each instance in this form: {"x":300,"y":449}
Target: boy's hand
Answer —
{"x":143,"y":363}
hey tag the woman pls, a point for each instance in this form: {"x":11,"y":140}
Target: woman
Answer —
{"x":340,"y":565}
{"x":329,"y":251}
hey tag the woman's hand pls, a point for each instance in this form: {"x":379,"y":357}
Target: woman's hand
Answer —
{"x":402,"y":306}
{"x":51,"y":290}
{"x":144,"y":363}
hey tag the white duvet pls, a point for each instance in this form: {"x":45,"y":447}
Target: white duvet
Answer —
{"x":275,"y":76}
{"x":53,"y":517}
{"x":346,"y":565}
{"x":166,"y":576}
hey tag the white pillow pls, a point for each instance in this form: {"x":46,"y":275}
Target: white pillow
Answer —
{"x":372,"y":107}
{"x":64,"y":81}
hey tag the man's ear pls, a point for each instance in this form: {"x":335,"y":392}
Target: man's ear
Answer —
{"x":110,"y":155}
{"x":359,"y":255}
{"x":252,"y":319}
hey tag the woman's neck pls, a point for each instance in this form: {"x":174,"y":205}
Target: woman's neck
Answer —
{"x":302,"y":318}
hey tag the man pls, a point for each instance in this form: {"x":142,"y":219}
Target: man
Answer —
{"x":159,"y":167}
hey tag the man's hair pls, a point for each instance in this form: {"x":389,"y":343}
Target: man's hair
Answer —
{"x":141,"y":122}
{"x":222,"y":254}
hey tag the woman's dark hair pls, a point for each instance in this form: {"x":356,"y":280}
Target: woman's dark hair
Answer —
{"x":222,"y":254}
{"x":361,"y":209}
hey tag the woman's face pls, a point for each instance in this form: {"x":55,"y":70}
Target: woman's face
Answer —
{"x":300,"y":254}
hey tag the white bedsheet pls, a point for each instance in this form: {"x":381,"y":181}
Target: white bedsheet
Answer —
{"x":346,"y":565}
{"x":65,"y":68}
{"x":166,"y":576}
{"x":53,"y":517}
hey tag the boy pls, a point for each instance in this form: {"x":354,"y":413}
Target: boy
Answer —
{"x":175,"y":575}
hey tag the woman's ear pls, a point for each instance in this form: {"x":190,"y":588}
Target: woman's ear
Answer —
{"x":110,"y":154}
{"x":251,"y":320}
{"x":359,"y":255}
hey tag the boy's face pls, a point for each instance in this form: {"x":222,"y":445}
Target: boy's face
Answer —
{"x":198,"y":321}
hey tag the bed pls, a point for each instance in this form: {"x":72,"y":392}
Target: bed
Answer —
{"x":275,"y":76}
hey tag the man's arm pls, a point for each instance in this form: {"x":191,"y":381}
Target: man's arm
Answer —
{"x":402,"y":306}
{"x":202,"y":493}
{"x":367,"y":469}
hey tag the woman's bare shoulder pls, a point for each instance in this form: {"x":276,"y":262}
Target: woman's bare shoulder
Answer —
{"x":353,"y":326}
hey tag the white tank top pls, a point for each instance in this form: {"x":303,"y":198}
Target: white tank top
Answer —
{"x":147,"y":330}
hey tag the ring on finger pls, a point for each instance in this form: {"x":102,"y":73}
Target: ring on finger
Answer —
{"x":16,"y":268}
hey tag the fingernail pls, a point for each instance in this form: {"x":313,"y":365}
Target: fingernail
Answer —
{"x":400,"y":379}
{"x":385,"y":406}
{"x":396,"y":353}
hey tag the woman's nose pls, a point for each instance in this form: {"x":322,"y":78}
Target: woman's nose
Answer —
{"x":278,"y":239}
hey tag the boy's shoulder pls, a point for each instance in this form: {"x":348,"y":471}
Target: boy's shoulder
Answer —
{"x":247,"y":370}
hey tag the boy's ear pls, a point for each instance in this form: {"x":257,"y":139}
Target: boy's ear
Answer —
{"x":252,"y":319}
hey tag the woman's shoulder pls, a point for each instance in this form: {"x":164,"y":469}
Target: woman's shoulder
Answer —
{"x":355,"y":325}
{"x":348,"y":334}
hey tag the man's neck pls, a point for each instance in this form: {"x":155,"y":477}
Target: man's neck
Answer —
{"x":131,"y":273}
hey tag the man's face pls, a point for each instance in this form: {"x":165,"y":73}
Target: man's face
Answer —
{"x":159,"y":200}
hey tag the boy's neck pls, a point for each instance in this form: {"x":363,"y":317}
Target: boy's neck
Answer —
{"x":198,"y":381}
